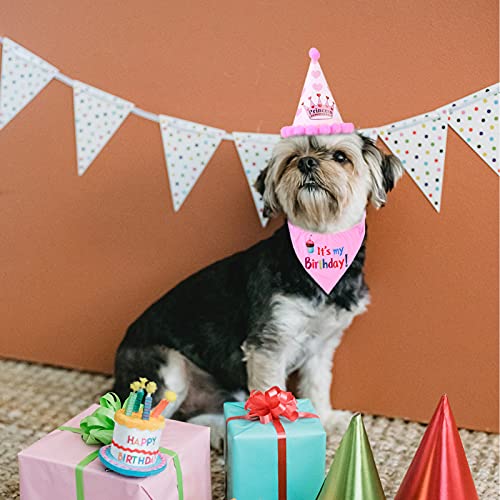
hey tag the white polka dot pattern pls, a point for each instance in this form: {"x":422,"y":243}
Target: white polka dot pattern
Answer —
{"x":475,"y":120}
{"x":98,"y":115}
{"x":255,"y":152}
{"x":24,"y":75}
{"x":420,"y":144}
{"x":188,"y":148}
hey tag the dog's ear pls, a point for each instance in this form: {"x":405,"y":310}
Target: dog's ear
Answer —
{"x":385,"y":171}
{"x":265,"y":187}
{"x":260,"y":183}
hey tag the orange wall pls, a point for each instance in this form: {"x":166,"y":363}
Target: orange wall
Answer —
{"x":80,"y":258}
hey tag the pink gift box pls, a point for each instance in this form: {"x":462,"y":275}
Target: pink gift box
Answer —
{"x":47,"y":468}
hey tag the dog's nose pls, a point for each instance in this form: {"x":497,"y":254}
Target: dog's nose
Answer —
{"x":307,"y":164}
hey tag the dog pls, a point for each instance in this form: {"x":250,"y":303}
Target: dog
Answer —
{"x":250,"y":320}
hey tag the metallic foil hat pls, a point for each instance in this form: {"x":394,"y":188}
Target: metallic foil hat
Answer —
{"x":353,"y":474}
{"x":439,"y":469}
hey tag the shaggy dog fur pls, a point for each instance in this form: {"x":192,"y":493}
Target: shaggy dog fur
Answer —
{"x":250,"y":320}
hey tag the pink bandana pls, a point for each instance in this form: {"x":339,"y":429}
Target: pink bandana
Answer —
{"x":326,"y":257}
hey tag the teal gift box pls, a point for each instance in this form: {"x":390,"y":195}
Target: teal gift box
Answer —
{"x":252,"y":456}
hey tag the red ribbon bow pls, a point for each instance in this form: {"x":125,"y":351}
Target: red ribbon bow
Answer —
{"x":272,"y":404}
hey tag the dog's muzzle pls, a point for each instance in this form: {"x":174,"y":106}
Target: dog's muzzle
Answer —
{"x":308,"y":165}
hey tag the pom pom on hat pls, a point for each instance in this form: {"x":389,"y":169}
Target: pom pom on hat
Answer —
{"x":348,"y":128}
{"x":336,"y":128}
{"x":314,"y":54}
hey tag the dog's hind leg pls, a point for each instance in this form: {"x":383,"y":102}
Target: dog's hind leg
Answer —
{"x":166,"y":367}
{"x":204,"y":403}
{"x":200,"y":398}
{"x":217,"y":428}
{"x":216,"y":420}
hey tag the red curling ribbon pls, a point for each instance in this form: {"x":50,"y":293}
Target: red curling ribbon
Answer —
{"x":268,"y":407}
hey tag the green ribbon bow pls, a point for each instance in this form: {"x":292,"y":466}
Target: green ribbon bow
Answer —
{"x":98,"y":429}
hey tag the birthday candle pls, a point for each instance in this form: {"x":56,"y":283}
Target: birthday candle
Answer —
{"x":170,"y":397}
{"x":140,"y":393}
{"x":150,"y":389}
{"x":132,"y":397}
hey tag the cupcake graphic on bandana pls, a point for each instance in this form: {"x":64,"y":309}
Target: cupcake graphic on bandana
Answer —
{"x":310,"y":245}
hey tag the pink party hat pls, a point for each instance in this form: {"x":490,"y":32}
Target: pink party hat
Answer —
{"x":317,"y":112}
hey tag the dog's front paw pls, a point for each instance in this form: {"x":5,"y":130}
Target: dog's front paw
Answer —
{"x":335,"y":421}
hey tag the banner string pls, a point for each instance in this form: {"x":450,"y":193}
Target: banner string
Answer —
{"x":148,"y":115}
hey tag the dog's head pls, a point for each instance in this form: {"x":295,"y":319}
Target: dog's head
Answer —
{"x":324,"y":182}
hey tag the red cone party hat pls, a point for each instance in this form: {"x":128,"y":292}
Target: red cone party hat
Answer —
{"x":439,"y":470}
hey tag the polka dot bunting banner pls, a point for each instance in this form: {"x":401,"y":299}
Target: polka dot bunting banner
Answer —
{"x":475,"y":120}
{"x":98,"y":115}
{"x":24,"y":75}
{"x":188,"y":148}
{"x":420,"y":144}
{"x":255,"y":151}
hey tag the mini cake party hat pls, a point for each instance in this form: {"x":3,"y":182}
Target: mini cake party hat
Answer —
{"x":317,"y":112}
{"x":439,"y":470}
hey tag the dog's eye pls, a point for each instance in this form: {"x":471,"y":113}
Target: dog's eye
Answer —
{"x":339,"y":157}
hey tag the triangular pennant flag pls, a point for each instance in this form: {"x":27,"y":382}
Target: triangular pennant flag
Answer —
{"x":475,"y":119}
{"x":353,"y":474}
{"x":98,"y":115}
{"x":255,"y":152}
{"x":420,"y":144}
{"x":188,"y":148}
{"x":24,"y":75}
{"x":439,"y":469}
{"x":371,"y":133}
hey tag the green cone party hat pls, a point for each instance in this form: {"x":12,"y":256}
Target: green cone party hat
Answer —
{"x":353,"y":474}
